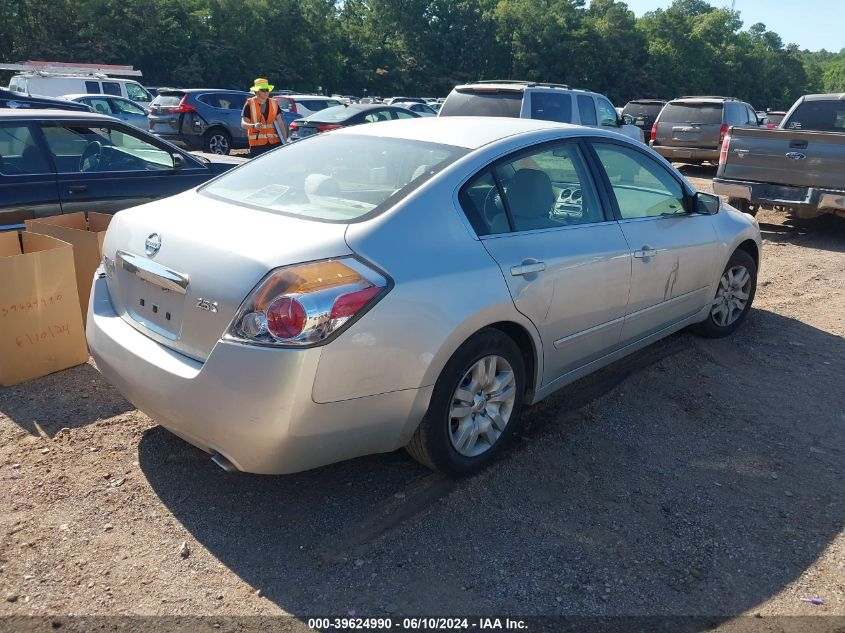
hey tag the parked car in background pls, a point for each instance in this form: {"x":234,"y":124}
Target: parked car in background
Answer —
{"x":54,"y":161}
{"x":643,"y":112}
{"x":305,"y":105}
{"x":54,"y":85}
{"x":772,"y":119}
{"x":532,"y":100}
{"x":395,"y":100}
{"x":197,"y":118}
{"x":360,"y":305}
{"x":423,"y":109}
{"x":17,"y":101}
{"x":691,"y":129}
{"x":798,"y":168}
{"x":345,"y":116}
{"x":118,"y":107}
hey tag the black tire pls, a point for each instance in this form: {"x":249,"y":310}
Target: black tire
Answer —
{"x":217,"y":141}
{"x":710,"y":327}
{"x":431,"y":444}
{"x":741,"y":204}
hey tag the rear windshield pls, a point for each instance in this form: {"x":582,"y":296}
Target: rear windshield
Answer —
{"x":333,"y":114}
{"x":168,"y":99}
{"x":691,"y":113}
{"x":643,"y":109}
{"x":334,"y":177}
{"x":507,"y":104}
{"x":820,"y":116}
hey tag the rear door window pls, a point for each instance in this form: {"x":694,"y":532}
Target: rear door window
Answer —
{"x":212,"y":100}
{"x":548,"y":106}
{"x":692,"y":113}
{"x":19,"y":153}
{"x":821,"y":116}
{"x":127,"y":107}
{"x":587,"y":110}
{"x":92,"y":87}
{"x":111,"y":88}
{"x":100,"y":105}
{"x":471,"y":103}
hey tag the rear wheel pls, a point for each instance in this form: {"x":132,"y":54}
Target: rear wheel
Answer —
{"x":217,"y":141}
{"x":733,"y":299}
{"x":741,"y":204}
{"x":474,"y":408}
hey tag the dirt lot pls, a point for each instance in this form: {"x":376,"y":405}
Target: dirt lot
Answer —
{"x":696,"y":477}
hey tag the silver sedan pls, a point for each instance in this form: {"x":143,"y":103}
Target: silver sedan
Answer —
{"x":411,"y":283}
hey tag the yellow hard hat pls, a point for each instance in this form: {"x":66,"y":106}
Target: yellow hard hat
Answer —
{"x":261,"y":84}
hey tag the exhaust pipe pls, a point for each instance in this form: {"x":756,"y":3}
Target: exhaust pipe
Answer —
{"x":224,"y":463}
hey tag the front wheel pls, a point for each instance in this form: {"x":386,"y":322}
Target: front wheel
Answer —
{"x":474,"y":408}
{"x":733,"y":299}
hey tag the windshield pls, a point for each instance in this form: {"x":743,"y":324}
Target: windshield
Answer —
{"x":334,"y":177}
{"x":692,"y":113}
{"x":506,"y":104}
{"x":643,"y":109}
{"x":335,"y":113}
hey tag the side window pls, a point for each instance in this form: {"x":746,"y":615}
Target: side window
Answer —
{"x":733,"y":116}
{"x":111,"y":88}
{"x":137,"y":93}
{"x":210,"y":99}
{"x":398,"y":114}
{"x":18,"y":84}
{"x":121,"y":105}
{"x":237,"y":102}
{"x":483,"y":205}
{"x":100,"y":106}
{"x":551,"y":107}
{"x":19,"y":153}
{"x":752,"y":116}
{"x":607,"y":113}
{"x":586,"y":110}
{"x":93,"y":149}
{"x":92,"y":87}
{"x":378,"y":115}
{"x":643,"y":188}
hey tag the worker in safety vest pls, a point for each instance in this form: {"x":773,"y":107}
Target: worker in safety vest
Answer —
{"x":262,"y":120}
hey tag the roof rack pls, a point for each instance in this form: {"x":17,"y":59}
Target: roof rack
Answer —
{"x":63,"y":68}
{"x":708,"y":97}
{"x":522,"y":82}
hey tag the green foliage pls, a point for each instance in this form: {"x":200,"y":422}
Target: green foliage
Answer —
{"x":416,"y":47}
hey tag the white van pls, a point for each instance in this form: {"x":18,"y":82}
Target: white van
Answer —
{"x":56,"y":85}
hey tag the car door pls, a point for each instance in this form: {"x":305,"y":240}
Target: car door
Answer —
{"x":234,"y":103}
{"x":566,"y":263}
{"x":28,"y":186}
{"x":675,"y":253}
{"x":107,"y":167}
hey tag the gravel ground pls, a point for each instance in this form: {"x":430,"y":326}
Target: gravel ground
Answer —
{"x":696,"y":477}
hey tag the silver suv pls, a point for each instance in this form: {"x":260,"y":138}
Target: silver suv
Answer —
{"x":531,"y":100}
{"x":691,"y":129}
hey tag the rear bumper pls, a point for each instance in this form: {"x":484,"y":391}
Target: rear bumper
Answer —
{"x":682,"y":154}
{"x":816,"y":200}
{"x":250,"y":404}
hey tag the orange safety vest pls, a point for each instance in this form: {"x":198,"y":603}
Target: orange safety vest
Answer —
{"x":266,"y":133}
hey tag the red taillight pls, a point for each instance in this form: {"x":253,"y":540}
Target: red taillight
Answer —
{"x":653,"y":132}
{"x":305,"y":304}
{"x":293,"y":125}
{"x":285,"y":318}
{"x":350,"y":304}
{"x":726,"y":143}
{"x":327,"y":127}
{"x":722,"y":131}
{"x":181,"y":108}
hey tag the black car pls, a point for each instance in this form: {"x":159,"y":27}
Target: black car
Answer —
{"x":54,"y":162}
{"x":346,"y":115}
{"x":644,"y":112}
{"x":18,"y":101}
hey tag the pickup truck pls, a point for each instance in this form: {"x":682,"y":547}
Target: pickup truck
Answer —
{"x":798,"y":167}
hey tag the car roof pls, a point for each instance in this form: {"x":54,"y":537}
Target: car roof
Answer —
{"x":833,"y":96}
{"x":306,"y":97}
{"x":187,"y":90}
{"x":648,"y":101}
{"x":41,"y":114}
{"x":521,"y":86}
{"x":93,"y":94}
{"x":470,"y":132}
{"x":704,"y":99}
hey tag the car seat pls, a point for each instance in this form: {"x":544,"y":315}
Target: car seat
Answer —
{"x":531,"y":197}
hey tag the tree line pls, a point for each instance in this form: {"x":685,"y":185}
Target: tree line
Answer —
{"x":424,"y":47}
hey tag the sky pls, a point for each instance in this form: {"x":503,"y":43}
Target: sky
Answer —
{"x":812,"y":24}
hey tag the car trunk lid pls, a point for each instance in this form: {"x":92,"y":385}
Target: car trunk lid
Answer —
{"x":183,"y":266}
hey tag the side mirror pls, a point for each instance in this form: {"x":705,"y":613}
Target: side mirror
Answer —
{"x":706,"y":203}
{"x":627,"y":119}
{"x":178,"y":161}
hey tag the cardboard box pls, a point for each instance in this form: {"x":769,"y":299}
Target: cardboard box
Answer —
{"x":86,"y":236}
{"x":40,"y":324}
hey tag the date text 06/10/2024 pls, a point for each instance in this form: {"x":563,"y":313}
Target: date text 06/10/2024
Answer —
{"x":412,"y":624}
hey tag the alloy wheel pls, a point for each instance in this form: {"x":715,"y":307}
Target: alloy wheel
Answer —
{"x":732,"y":296}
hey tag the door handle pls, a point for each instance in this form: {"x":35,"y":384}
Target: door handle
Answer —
{"x":646,"y":252}
{"x":528,"y":267}
{"x":77,"y":188}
